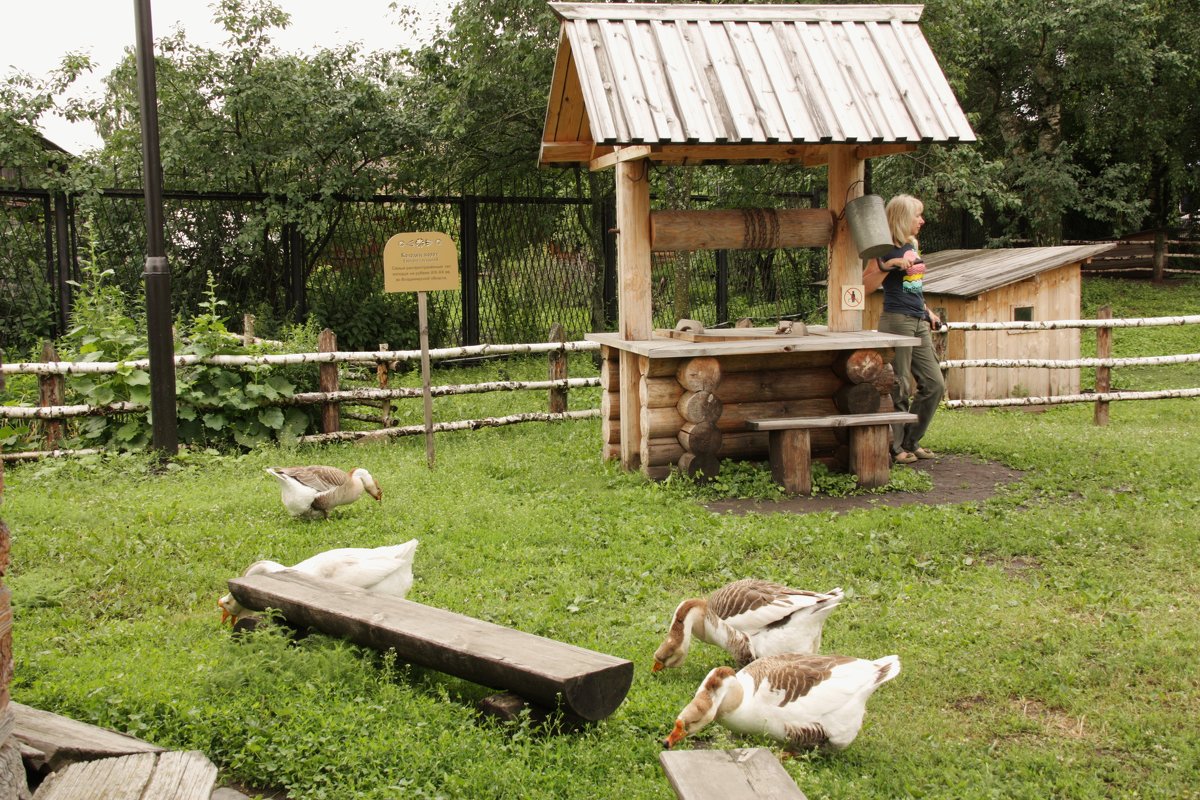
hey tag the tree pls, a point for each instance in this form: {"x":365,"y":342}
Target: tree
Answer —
{"x":1082,"y":108}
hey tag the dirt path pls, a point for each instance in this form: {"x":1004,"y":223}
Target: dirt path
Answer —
{"x":956,"y":479}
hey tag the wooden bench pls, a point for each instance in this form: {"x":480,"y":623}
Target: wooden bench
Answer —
{"x":553,"y":674}
{"x":870,"y":446}
{"x":728,"y":775}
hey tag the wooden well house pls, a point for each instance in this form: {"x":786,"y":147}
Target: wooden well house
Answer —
{"x":637,"y":85}
{"x":1028,"y":284}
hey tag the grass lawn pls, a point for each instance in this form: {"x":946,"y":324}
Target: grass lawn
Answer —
{"x":1048,"y":636}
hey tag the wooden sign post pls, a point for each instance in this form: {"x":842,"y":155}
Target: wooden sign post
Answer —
{"x":421,"y":262}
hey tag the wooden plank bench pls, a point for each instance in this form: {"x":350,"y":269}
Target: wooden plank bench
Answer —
{"x":553,"y":674}
{"x":728,"y":775}
{"x":870,"y":446}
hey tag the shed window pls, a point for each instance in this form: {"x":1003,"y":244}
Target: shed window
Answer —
{"x":1022,"y":313}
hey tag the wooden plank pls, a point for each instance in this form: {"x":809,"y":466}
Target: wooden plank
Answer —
{"x":739,"y":774}
{"x":182,"y":776}
{"x":831,"y":421}
{"x":64,"y":741}
{"x":590,"y":684}
{"x":819,"y":340}
{"x":728,"y":73}
{"x":684,"y":84}
{"x":122,"y":778}
{"x":757,"y":78}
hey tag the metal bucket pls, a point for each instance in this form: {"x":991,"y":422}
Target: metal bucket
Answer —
{"x":869,"y":226}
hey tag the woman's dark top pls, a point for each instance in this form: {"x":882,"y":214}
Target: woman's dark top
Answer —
{"x":902,"y":292}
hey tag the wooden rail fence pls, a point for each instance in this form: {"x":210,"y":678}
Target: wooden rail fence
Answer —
{"x":53,"y":412}
{"x":1103,"y":363}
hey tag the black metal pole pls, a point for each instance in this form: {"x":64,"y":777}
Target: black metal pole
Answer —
{"x":469,"y":259}
{"x":165,"y":432}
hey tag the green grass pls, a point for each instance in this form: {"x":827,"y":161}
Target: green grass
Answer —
{"x":1048,"y":635}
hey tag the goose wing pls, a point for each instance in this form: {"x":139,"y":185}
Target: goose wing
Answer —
{"x":318,"y":478}
{"x":751,"y":605}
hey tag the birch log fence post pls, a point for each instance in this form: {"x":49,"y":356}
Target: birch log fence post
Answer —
{"x":558,"y":370}
{"x":247,"y":330}
{"x":381,"y":372}
{"x":1103,"y":374}
{"x":330,"y":412}
{"x":50,"y":393}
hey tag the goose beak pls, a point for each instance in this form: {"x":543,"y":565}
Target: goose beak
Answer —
{"x":226,"y":616}
{"x":677,"y":735}
{"x":658,"y":666}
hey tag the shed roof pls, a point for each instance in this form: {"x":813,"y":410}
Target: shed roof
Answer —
{"x":699,"y":76}
{"x":970,"y":273}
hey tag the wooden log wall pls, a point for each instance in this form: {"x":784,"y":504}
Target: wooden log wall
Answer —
{"x":694,"y":410}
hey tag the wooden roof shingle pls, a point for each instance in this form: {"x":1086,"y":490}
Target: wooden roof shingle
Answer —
{"x":714,"y":76}
{"x":970,"y":273}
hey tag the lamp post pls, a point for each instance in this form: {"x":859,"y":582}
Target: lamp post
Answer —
{"x":157,"y":272}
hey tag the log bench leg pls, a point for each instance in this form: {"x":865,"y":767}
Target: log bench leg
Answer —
{"x":871,"y":455}
{"x":791,"y":460}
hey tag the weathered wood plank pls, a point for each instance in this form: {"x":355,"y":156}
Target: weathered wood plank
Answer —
{"x":589,"y":684}
{"x":182,"y":776}
{"x":64,"y":741}
{"x":832,"y":421}
{"x":738,"y":774}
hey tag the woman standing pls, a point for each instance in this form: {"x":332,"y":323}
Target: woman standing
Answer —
{"x":919,"y":385}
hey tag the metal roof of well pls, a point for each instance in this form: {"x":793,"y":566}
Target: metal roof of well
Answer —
{"x":667,"y":74}
{"x":970,"y":273}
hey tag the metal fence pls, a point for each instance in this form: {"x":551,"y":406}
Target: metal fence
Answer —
{"x":527,"y":259}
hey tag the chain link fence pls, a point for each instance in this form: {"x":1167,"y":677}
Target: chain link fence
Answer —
{"x":528,"y":259}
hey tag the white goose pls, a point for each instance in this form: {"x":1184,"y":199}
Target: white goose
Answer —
{"x":387,"y":570}
{"x":750,"y":618}
{"x":802,"y":701}
{"x":312,"y":492}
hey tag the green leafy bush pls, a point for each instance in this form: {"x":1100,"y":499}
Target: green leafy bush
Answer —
{"x":351,"y":302}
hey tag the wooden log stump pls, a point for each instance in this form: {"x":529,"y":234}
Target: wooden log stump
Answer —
{"x":586,"y":683}
{"x":700,"y":437}
{"x":699,"y":407}
{"x":700,"y":465}
{"x":859,"y":366}
{"x":885,"y":381}
{"x":665,"y":450}
{"x":791,"y":460}
{"x":699,"y":374}
{"x":870,"y":457}
{"x":857,"y":398}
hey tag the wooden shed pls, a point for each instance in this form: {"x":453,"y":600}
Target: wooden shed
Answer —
{"x":641,"y":84}
{"x":1028,"y":284}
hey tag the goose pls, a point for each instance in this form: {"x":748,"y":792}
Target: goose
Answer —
{"x":802,"y":701}
{"x":312,"y":492}
{"x":387,"y":570}
{"x":750,"y":618}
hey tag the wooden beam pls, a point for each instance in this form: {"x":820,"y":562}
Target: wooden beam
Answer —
{"x":599,"y":156}
{"x":631,"y":152}
{"x":588,"y":684}
{"x":725,"y":774}
{"x":736,"y":229}
{"x":635,"y":313}
{"x":845,"y":267}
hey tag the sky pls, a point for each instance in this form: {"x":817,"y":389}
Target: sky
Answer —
{"x":38,"y":35}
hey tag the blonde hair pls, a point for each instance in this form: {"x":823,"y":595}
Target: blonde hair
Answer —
{"x":902,"y":212}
